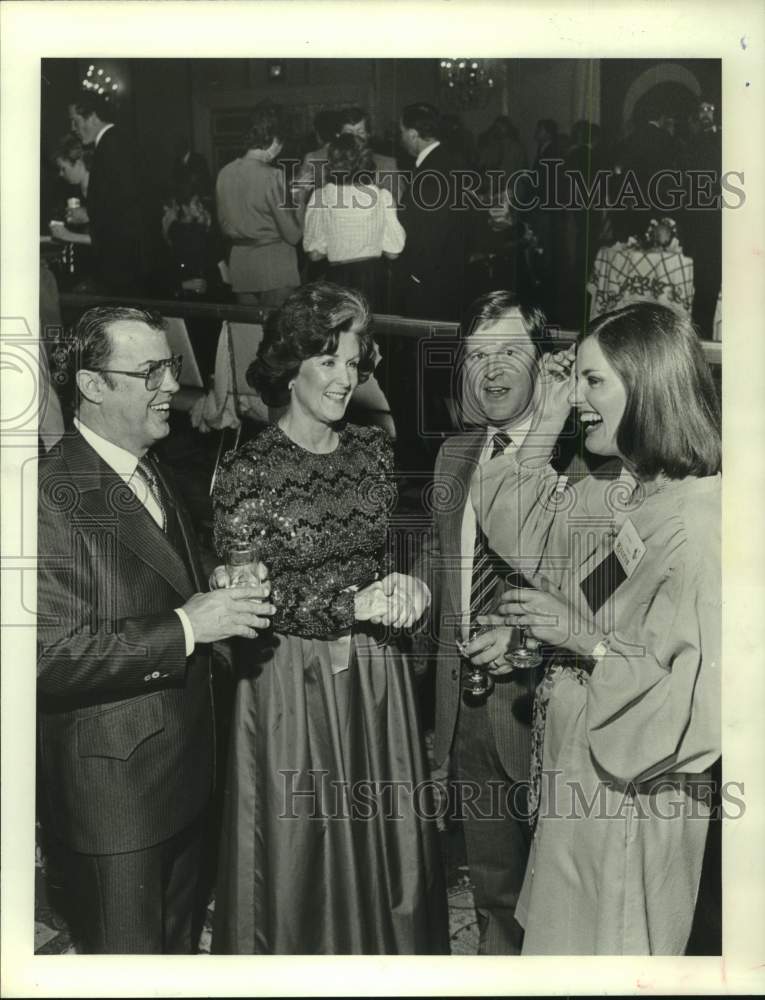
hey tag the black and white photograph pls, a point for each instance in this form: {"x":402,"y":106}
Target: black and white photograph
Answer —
{"x":364,"y":508}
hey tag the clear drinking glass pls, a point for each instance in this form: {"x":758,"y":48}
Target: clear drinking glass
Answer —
{"x":523,"y":657}
{"x":478,"y":681}
{"x":241,"y":566}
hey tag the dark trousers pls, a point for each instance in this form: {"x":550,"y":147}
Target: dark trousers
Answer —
{"x":138,"y":903}
{"x":496,"y":829}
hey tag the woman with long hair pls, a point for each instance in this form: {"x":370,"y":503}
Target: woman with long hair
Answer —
{"x":626,"y":585}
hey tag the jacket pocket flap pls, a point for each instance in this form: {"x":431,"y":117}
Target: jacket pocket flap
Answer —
{"x":118,"y":732}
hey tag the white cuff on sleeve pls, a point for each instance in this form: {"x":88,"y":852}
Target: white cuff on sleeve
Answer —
{"x":188,"y":631}
{"x":600,"y":650}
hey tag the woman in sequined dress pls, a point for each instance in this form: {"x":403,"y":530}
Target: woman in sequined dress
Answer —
{"x":324,"y":849}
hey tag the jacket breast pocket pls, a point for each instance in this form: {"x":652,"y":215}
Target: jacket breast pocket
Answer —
{"x":118,"y":732}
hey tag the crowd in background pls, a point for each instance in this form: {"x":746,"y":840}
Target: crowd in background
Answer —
{"x":272,"y":218}
{"x":586,"y":605}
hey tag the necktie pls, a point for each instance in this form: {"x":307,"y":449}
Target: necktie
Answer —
{"x":484,"y":576}
{"x":149,"y":477}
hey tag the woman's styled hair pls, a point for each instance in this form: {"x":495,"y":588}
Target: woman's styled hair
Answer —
{"x":307,"y":325}
{"x":264,"y":127}
{"x":71,"y":149}
{"x":350,"y":161}
{"x":671,"y":420}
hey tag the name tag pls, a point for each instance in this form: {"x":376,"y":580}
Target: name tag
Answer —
{"x":628,"y":548}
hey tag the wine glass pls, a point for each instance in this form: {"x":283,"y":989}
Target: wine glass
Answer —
{"x":524,"y":657}
{"x":478,"y":683}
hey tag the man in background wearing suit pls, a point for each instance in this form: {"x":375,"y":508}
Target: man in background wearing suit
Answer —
{"x":113,"y":208}
{"x":489,"y":738}
{"x":125,"y":723}
{"x":431,"y":267}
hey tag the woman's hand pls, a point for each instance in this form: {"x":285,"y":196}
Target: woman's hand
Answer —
{"x":77,"y":216}
{"x":370,"y":603}
{"x":553,"y":387}
{"x":412,"y":595}
{"x":397,"y":601}
{"x":550,"y":618}
{"x":490,"y":648}
{"x":59,"y":231}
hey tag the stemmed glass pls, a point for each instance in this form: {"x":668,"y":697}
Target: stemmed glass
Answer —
{"x":524,"y":657}
{"x":478,"y":683}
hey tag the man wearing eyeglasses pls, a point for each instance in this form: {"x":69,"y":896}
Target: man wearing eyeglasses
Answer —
{"x":125,"y":724}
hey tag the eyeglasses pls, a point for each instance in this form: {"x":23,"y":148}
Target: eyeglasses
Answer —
{"x":154,"y":375}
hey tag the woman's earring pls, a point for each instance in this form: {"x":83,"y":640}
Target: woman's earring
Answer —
{"x":290,"y":384}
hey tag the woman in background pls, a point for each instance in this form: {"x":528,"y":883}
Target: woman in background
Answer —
{"x":73,"y":165}
{"x":627,"y":585}
{"x":255,"y":215}
{"x":352,"y":223}
{"x":316,"y":857}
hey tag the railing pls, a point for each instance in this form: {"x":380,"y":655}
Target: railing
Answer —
{"x":398,"y":326}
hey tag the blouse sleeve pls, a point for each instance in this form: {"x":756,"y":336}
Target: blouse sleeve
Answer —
{"x":653,"y":700}
{"x":315,"y":235}
{"x":525,"y":513}
{"x":394,"y":235}
{"x":240,"y":513}
{"x":286,"y":218}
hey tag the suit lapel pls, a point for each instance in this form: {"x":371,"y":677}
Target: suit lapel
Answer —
{"x":105,"y":496}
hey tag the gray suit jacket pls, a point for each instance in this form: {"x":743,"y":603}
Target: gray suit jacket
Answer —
{"x":510,"y":702}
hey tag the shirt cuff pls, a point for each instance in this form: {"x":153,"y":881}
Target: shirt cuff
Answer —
{"x":188,"y":631}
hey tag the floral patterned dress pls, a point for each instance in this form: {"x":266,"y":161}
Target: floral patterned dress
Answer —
{"x":326,"y":845}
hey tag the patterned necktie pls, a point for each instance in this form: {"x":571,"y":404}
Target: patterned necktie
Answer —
{"x":484,"y":578}
{"x":149,"y":477}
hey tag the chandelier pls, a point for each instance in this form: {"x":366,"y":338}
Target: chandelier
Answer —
{"x":97,"y":79}
{"x":466,"y":83}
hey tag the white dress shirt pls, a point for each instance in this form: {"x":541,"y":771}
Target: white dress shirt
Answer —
{"x":518,"y":434}
{"x":102,"y":132}
{"x":124,"y":464}
{"x":426,"y":152}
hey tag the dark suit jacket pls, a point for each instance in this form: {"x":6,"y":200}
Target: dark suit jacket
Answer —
{"x":125,"y":729}
{"x":115,"y":215}
{"x":431,"y":268}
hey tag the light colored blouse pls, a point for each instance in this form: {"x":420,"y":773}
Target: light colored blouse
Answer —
{"x":351,"y":222}
{"x":650,"y":712}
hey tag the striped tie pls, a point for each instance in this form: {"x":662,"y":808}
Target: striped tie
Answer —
{"x":484,"y":578}
{"x":145,"y":472}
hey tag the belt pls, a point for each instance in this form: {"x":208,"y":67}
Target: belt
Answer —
{"x":252,"y":243}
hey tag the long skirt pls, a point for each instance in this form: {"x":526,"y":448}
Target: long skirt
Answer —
{"x":329,"y":844}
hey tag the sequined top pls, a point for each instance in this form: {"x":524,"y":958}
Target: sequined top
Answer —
{"x":319,"y":522}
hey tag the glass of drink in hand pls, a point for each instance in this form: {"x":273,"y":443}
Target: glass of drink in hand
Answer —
{"x":524,"y":656}
{"x":241,"y":566}
{"x":478,"y":683}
